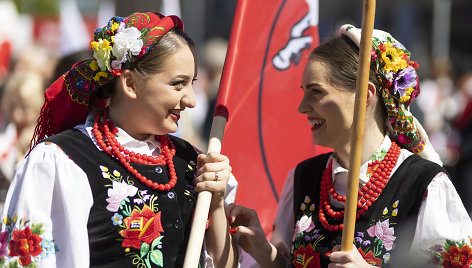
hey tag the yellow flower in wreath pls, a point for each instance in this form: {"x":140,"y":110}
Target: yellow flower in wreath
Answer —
{"x":393,"y":59}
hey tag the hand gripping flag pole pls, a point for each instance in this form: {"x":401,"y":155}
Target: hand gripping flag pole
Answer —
{"x":220,"y":117}
{"x":200,"y":216}
{"x":350,"y":210}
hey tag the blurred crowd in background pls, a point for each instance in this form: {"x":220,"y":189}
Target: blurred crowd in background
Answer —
{"x":42,"y":39}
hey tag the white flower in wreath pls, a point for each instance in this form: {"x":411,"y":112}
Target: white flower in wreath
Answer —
{"x":121,"y":27}
{"x":126,"y":41}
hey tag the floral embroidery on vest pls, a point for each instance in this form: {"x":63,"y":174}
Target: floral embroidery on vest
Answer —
{"x":137,"y":214}
{"x":306,"y":237}
{"x":23,"y":241}
{"x":452,"y":254}
{"x":380,"y":238}
{"x":374,"y":244}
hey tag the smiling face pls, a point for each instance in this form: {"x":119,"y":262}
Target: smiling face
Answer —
{"x":328,"y":108}
{"x":161,"y":97}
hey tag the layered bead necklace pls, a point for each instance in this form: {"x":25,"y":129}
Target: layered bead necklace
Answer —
{"x":366,"y":195}
{"x":105,"y":135}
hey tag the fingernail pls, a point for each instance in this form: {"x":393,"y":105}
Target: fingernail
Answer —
{"x":232,"y":230}
{"x":328,"y":253}
{"x":231,"y":220}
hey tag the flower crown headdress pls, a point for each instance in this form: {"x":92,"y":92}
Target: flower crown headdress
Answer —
{"x":396,"y":70}
{"x":116,"y":46}
{"x":124,"y":40}
{"x":399,"y":86}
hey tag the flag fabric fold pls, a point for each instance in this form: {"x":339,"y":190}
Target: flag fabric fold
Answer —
{"x":265,"y":136}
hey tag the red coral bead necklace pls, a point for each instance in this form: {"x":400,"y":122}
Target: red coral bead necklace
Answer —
{"x":367,"y":194}
{"x":105,"y":135}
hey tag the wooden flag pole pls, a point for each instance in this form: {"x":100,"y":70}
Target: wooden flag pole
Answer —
{"x":365,"y":47}
{"x":220,"y":118}
{"x":200,"y":216}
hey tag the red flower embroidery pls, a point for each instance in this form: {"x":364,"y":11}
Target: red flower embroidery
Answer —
{"x":25,"y":244}
{"x":142,"y":226}
{"x":457,"y":257}
{"x":370,"y":257}
{"x":306,"y":257}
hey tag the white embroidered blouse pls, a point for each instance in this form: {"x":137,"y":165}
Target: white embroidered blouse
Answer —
{"x":51,"y":196}
{"x":441,"y":216}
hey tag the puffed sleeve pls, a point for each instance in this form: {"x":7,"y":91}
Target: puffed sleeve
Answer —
{"x":443,"y":227}
{"x":46,"y":212}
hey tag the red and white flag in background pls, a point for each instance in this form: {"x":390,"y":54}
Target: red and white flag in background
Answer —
{"x":265,"y":136}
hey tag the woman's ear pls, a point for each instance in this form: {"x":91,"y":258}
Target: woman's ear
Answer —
{"x":128,"y":83}
{"x":371,"y":93}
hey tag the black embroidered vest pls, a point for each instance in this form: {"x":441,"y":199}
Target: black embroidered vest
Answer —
{"x":131,"y":225}
{"x":383,"y":235}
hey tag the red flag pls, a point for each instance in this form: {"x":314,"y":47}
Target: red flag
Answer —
{"x":265,"y":136}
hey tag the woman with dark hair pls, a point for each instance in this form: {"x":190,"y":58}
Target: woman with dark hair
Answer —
{"x":408,"y":210}
{"x":105,"y":184}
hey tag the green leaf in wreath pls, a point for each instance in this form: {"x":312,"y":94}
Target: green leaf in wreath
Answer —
{"x":156,"y":242}
{"x":144,"y":249}
{"x":156,"y":257}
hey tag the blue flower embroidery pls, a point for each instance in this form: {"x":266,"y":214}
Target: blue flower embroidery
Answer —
{"x":117,"y":219}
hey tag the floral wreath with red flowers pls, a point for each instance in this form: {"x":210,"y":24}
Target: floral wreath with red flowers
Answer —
{"x":399,"y":84}
{"x":113,"y":46}
{"x":397,"y":73}
{"x":395,"y":68}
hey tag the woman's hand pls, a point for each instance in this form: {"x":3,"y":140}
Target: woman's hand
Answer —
{"x":350,"y":258}
{"x":213,"y":171}
{"x":252,"y":239}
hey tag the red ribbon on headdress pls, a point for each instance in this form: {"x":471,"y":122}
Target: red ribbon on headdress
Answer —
{"x":67,"y":99}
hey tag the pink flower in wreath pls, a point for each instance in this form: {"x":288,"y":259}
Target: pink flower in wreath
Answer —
{"x":382,"y":231}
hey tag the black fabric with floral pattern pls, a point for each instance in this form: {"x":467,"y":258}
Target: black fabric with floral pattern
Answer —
{"x":129,"y":224}
{"x":386,"y":230}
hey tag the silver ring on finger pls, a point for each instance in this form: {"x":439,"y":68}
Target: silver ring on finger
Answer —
{"x":216,"y":176}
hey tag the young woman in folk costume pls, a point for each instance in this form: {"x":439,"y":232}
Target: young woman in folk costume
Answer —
{"x":109,"y":187}
{"x":407,"y":204}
